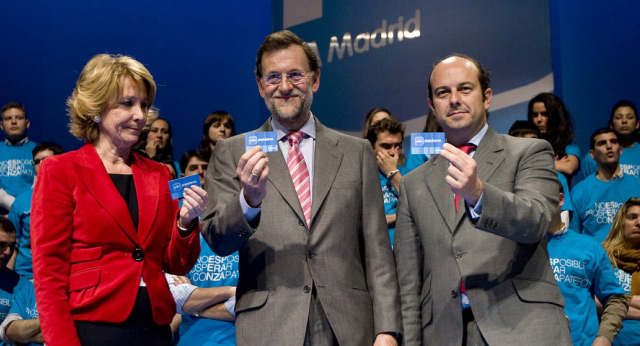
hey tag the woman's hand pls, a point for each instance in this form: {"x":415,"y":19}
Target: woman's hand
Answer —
{"x":193,"y":204}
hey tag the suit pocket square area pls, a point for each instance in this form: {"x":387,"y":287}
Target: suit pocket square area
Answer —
{"x":251,"y":300}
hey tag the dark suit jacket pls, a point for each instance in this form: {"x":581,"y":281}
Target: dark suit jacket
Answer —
{"x":346,"y":253}
{"x":501,"y":258}
{"x":83,"y":239}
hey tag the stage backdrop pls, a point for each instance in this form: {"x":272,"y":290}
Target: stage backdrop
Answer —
{"x":379,"y":54}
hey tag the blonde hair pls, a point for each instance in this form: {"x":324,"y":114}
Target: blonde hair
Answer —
{"x":615,"y":239}
{"x":98,"y":86}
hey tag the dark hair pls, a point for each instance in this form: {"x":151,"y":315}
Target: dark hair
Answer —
{"x":201,"y":154}
{"x":6,"y":225}
{"x":55,"y":148}
{"x":484,"y":76}
{"x":431,"y":124}
{"x":282,"y":40}
{"x":521,"y":128}
{"x":622,"y":103}
{"x":592,"y":141}
{"x":390,"y":125}
{"x":559,"y":124}
{"x":10,"y":105}
{"x":369,"y":116}
{"x":218,"y":115}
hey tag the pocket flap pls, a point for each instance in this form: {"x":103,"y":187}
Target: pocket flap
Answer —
{"x":537,"y":291}
{"x":85,"y":254}
{"x":251,"y":300}
{"x":84,"y":279}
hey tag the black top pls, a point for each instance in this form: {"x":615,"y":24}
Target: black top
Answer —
{"x":127,"y":188}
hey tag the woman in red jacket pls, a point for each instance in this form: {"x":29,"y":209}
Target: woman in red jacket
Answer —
{"x":104,"y":225}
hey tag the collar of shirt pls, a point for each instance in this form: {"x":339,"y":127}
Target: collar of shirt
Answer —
{"x":618,"y":175}
{"x":309,"y":128}
{"x":475,"y":140}
{"x":18,"y":143}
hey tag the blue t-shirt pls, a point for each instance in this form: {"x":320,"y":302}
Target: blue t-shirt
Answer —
{"x":630,"y":332}
{"x":629,"y":163}
{"x":582,"y":268}
{"x":20,"y":216}
{"x":565,"y":190}
{"x":389,"y":193}
{"x":211,"y":270}
{"x":24,"y":302}
{"x":16,"y":167}
{"x":596,"y":202}
{"x":8,"y":282}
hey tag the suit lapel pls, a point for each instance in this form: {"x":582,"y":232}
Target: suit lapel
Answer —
{"x":147,"y":183}
{"x":94,"y":177}
{"x":440,"y":190}
{"x":327,"y":161}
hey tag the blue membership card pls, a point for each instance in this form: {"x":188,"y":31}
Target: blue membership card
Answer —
{"x":177,"y":186}
{"x":428,"y":143}
{"x":267,"y":141}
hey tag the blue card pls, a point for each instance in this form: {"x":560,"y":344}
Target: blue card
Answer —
{"x":177,"y":186}
{"x":428,"y":143}
{"x":267,"y":141}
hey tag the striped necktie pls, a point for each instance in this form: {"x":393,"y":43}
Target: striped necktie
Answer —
{"x":299,"y":174}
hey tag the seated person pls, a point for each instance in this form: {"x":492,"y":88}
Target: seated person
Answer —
{"x":623,"y":247}
{"x":20,"y":212}
{"x":597,"y":198}
{"x":217,"y":126}
{"x":22,"y":325}
{"x":16,"y":162}
{"x":624,"y":121}
{"x":582,"y":269}
{"x":8,"y":278}
{"x":193,"y":162}
{"x":386,"y":137}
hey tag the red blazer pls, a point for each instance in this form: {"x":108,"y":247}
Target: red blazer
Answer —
{"x":83,"y":239}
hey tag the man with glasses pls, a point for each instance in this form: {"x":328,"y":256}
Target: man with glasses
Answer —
{"x":316,"y":266}
{"x":16,"y":165}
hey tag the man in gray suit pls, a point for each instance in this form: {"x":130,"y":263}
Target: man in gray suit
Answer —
{"x":316,"y":266}
{"x":479,"y":275}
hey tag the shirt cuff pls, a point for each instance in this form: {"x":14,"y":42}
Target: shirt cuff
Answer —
{"x":476,"y":211}
{"x":230,"y":305}
{"x":5,"y":324}
{"x":180,"y":293}
{"x":249,"y":213}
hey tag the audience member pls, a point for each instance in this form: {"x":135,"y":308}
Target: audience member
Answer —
{"x":219,"y":125}
{"x":312,"y":271}
{"x":16,"y":162}
{"x":104,"y":227}
{"x":583,"y":270}
{"x":623,"y":247}
{"x":386,"y":137}
{"x":208,"y":313}
{"x":526,"y":129}
{"x":22,"y":325}
{"x":156,"y":142}
{"x":551,"y":116}
{"x":195,"y":162}
{"x":20,"y":212}
{"x":624,"y":121}
{"x":485,"y":261}
{"x":8,"y":278}
{"x":597,"y":198}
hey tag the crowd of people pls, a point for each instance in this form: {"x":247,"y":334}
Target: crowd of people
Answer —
{"x":332,"y":240}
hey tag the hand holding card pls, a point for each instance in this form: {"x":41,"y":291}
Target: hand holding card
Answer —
{"x":427,"y":143}
{"x":267,"y":141}
{"x":177,"y":186}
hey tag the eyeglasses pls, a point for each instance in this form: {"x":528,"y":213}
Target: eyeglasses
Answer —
{"x":295,"y":77}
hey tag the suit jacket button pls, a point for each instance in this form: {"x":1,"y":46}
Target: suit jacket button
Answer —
{"x":309,"y":254}
{"x":300,"y":223}
{"x":454,"y":294}
{"x":458,"y":255}
{"x":306,"y":289}
{"x":137,"y":254}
